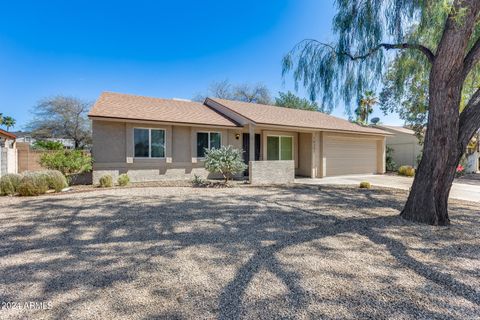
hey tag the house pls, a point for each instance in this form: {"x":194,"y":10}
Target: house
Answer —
{"x":155,"y":139}
{"x":25,"y":137}
{"x":8,"y":153}
{"x":405,"y":145}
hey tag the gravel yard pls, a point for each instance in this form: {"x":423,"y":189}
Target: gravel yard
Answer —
{"x":243,"y":252}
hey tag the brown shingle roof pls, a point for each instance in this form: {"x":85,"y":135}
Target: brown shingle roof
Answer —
{"x":125,"y":106}
{"x":273,"y":115}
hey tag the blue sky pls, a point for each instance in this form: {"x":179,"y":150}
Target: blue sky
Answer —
{"x":155,"y":48}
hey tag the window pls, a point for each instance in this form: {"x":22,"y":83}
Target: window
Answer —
{"x":279,"y":148}
{"x":149,"y":143}
{"x":207,"y":140}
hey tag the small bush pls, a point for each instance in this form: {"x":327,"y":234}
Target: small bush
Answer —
{"x":106,"y":181}
{"x":197,"y":181}
{"x":68,"y":162}
{"x":365,"y":185}
{"x":123,"y":179}
{"x":33,"y":184}
{"x":56,"y":180}
{"x":227,"y":161}
{"x":390,"y":164}
{"x":407,"y":171}
{"x":9,"y":184}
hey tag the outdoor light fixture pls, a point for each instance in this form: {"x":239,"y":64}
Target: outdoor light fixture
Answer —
{"x":237,"y":136}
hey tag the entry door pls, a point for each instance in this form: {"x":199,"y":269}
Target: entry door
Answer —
{"x":246,"y":147}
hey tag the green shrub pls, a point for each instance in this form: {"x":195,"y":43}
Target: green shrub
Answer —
{"x":106,"y":181}
{"x":33,"y":184}
{"x":68,"y":162}
{"x":55,"y":179}
{"x":123,"y":179}
{"x":197,"y":181}
{"x":227,"y":161}
{"x":9,"y":184}
{"x":365,"y":185}
{"x":390,"y":164}
{"x":407,"y":171}
{"x":48,"y":145}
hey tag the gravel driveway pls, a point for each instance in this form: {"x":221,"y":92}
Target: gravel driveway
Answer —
{"x":181,"y":253}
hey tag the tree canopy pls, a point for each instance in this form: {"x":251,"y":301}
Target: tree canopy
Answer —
{"x":62,"y":117}
{"x":344,"y":69}
{"x":290,"y":100}
{"x":256,"y":93}
{"x":7,"y":121}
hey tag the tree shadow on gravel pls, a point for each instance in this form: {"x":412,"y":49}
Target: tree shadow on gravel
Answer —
{"x":108,"y":239}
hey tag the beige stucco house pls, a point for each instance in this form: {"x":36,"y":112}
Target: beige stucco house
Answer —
{"x":155,"y":139}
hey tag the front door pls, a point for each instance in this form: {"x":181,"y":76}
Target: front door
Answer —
{"x":246,"y":148}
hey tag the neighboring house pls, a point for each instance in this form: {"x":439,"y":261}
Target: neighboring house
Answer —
{"x":8,"y":153}
{"x":155,"y":139}
{"x":25,"y":137}
{"x":406,"y":149}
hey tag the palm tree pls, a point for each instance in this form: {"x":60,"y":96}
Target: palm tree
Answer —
{"x":8,"y":122}
{"x":366,"y":106}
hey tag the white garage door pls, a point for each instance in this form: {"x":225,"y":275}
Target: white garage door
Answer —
{"x":345,"y":155}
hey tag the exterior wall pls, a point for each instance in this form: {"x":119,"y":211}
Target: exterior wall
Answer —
{"x":28,"y":160}
{"x":3,"y":161}
{"x":113,"y":152}
{"x":8,"y":161}
{"x":305,"y":149}
{"x":405,"y":148}
{"x":473,"y":163}
{"x":271,"y":172}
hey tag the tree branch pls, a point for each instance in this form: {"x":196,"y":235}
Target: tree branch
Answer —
{"x":388,"y":46}
{"x":469,"y":121}
{"x":472,"y":58}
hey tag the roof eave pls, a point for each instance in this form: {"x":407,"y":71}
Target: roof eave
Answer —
{"x":123,"y":119}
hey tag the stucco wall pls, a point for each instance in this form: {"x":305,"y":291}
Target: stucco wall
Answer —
{"x":406,"y":148}
{"x":108,"y":141}
{"x":113,"y":152}
{"x":271,"y":172}
{"x":305,"y":149}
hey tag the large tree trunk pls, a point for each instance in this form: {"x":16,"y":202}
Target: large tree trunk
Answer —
{"x":447,"y":134}
{"x":428,"y":199}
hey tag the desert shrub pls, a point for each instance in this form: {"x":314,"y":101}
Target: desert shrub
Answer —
{"x":48,"y":145}
{"x":9,"y":184}
{"x":123,"y":179}
{"x":197,"y":181}
{"x":33,"y":184}
{"x":226,"y":160}
{"x":365,"y":185}
{"x":106,"y":181}
{"x":68,"y":162}
{"x":407,"y":171}
{"x":390,"y":164}
{"x":55,"y":179}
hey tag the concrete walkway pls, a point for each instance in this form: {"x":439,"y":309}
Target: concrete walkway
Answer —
{"x":461,"y":191}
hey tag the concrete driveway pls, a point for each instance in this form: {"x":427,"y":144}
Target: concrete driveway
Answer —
{"x":460,"y":190}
